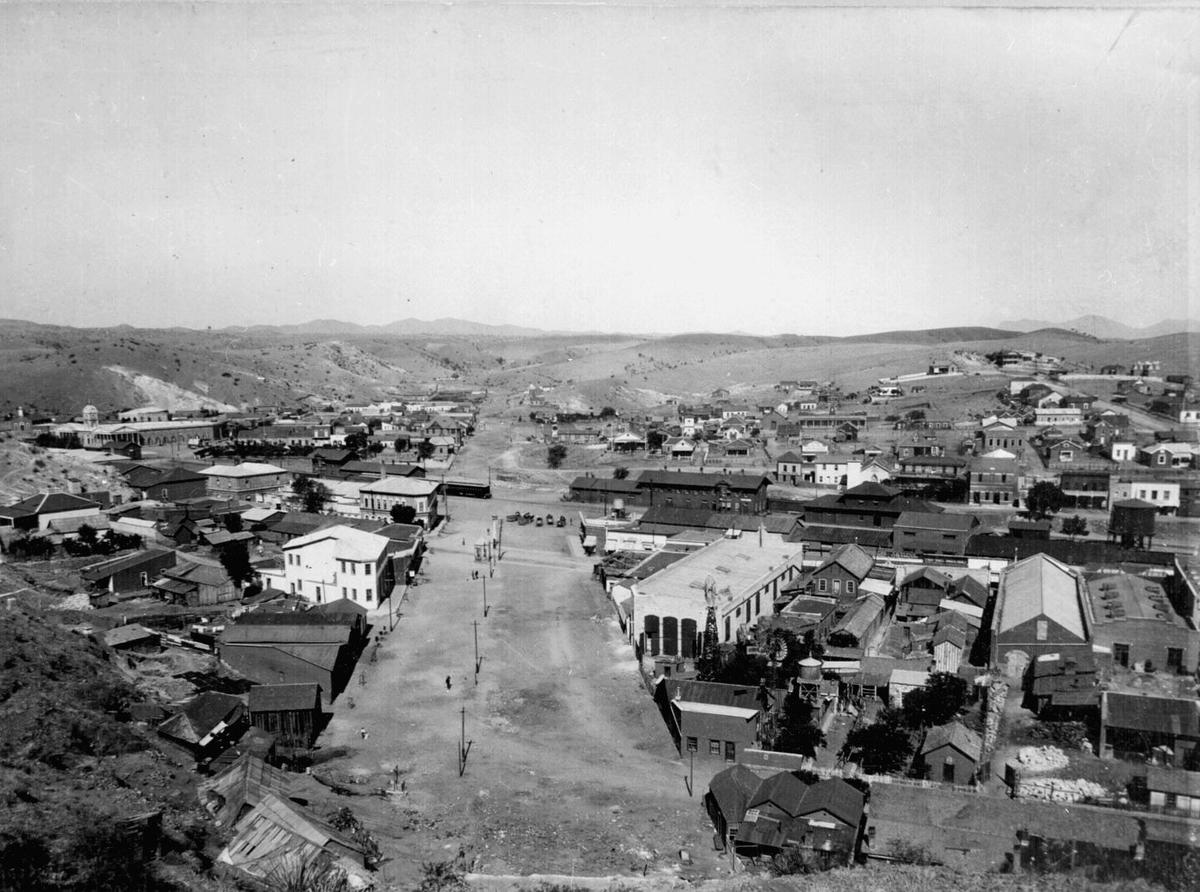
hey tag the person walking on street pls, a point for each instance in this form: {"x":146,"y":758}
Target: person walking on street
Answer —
{"x":363,"y":733}
{"x":447,"y":682}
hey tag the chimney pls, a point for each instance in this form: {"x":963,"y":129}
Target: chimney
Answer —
{"x":382,"y":470}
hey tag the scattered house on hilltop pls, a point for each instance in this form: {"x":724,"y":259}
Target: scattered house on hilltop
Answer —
{"x":40,"y":511}
{"x":133,"y":638}
{"x":206,"y":724}
{"x":290,"y":712}
{"x":950,"y":754}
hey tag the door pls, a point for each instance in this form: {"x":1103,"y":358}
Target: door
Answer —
{"x":948,"y":772}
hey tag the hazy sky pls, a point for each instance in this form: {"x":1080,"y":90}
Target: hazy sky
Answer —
{"x":756,"y":169}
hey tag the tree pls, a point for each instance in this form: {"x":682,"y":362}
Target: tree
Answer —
{"x":314,"y":497}
{"x":1075,"y":526}
{"x":797,"y":733}
{"x":1044,"y":498}
{"x":424,"y":450}
{"x":88,"y":536}
{"x":620,"y":473}
{"x":655,"y":440}
{"x":936,"y":703}
{"x":235,"y":558}
{"x":555,"y":454}
{"x":403,"y":514}
{"x":357,"y":443}
{"x":608,"y":412}
{"x":882,"y":747}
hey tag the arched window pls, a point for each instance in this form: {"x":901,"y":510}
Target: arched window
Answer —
{"x":670,"y":635}
{"x":651,"y":635}
{"x":689,"y":644}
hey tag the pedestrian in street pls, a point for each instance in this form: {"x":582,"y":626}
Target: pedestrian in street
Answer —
{"x":362,"y":733}
{"x":447,"y":682}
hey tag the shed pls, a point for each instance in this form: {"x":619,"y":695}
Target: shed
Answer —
{"x":950,"y":754}
{"x":291,"y":712}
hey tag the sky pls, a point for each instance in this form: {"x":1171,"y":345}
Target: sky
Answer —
{"x":589,"y":167}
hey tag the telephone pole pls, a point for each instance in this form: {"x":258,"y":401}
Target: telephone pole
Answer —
{"x":475,"y":623}
{"x":483,"y":579}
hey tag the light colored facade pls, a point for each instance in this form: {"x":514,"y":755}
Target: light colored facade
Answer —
{"x":379,"y":497}
{"x":668,"y":612}
{"x":1162,"y":494}
{"x":1058,"y":417}
{"x":340,"y":562}
{"x":248,"y":480}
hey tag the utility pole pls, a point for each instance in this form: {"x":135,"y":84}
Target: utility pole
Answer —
{"x":462,"y":744}
{"x":475,"y":623}
{"x":483,"y":579}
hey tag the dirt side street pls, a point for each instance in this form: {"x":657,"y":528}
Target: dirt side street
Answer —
{"x":569,"y":769}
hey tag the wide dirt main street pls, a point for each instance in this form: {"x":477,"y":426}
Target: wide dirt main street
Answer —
{"x":570,"y":768}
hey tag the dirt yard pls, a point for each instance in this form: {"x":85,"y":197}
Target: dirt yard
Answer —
{"x":569,"y":769}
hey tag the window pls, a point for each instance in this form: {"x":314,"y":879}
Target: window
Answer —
{"x":354,"y":593}
{"x":1121,"y":654}
{"x":1175,"y":659}
{"x":343,"y":591}
{"x":726,"y":628}
{"x":730,"y":751}
{"x":714,"y":747}
{"x":822,"y":585}
{"x":367,"y":568}
{"x":850,"y":586}
{"x":367,"y":592}
{"x":145,"y":578}
{"x":353,"y":568}
{"x":757,"y":603}
{"x":692,"y":745}
{"x":1043,"y":630}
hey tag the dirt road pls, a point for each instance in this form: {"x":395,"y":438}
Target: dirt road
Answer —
{"x":569,"y":766}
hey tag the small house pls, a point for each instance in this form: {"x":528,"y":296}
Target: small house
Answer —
{"x":291,"y":712}
{"x":950,"y":754}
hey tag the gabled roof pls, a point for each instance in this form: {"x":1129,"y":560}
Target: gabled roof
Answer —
{"x":713,"y":693}
{"x":790,"y":458}
{"x":273,"y":631}
{"x":192,"y":575}
{"x":277,"y":837}
{"x":946,"y":521}
{"x":175,"y":475}
{"x":245,"y":469}
{"x":956,"y":735}
{"x":1040,"y":586}
{"x":242,"y":786}
{"x":835,"y":796}
{"x":784,"y":790}
{"x":350,"y":544}
{"x":284,"y":697}
{"x":198,"y":716}
{"x":937,"y":577}
{"x":340,"y":606}
{"x":47,"y":503}
{"x":970,"y":589}
{"x":104,"y":569}
{"x":1178,"y":717}
{"x":871,"y":490}
{"x":852,"y":559}
{"x":128,"y":634}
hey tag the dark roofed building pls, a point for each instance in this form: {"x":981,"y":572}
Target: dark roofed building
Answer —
{"x":129,"y":572}
{"x":605,"y":490}
{"x":291,"y":712}
{"x":950,"y":754}
{"x":741,"y":493}
{"x":195,"y":585}
{"x":715,"y":721}
{"x":206,"y":724}
{"x":866,"y":506}
{"x":1077,"y":552}
{"x":925,"y":532}
{"x":39,"y":511}
{"x":728,"y":797}
{"x":822,"y":820}
{"x":171,"y":485}
{"x":1133,"y":725}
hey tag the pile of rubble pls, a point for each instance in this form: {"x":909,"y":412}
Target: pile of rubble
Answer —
{"x":1056,"y":789}
{"x":1036,"y":759}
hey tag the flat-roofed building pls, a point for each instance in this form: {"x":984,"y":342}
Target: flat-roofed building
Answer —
{"x":1133,"y":618}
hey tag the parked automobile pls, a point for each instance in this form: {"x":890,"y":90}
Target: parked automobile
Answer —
{"x":538,"y":522}
{"x":514,"y":517}
{"x":562,"y":520}
{"x":549,"y":520}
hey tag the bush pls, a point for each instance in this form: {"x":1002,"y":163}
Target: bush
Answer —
{"x":910,"y":852}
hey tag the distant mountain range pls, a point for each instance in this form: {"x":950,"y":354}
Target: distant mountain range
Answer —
{"x":1104,"y":328}
{"x":444,"y":326}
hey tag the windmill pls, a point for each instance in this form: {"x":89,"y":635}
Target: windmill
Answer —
{"x":710,"y":661}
